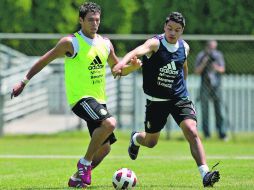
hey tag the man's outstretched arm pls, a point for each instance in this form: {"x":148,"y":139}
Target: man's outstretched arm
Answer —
{"x":61,"y":48}
{"x":149,"y":46}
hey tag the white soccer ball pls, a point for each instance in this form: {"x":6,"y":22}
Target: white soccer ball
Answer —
{"x":124,"y":178}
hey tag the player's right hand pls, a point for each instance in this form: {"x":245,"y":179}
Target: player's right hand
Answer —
{"x":17,"y":89}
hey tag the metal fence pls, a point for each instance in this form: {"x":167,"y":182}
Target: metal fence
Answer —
{"x":125,"y":96}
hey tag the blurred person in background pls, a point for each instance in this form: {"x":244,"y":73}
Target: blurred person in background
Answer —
{"x":86,"y":55}
{"x":210,"y":65}
{"x":165,"y":72}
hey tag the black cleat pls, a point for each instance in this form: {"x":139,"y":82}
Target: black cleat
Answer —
{"x":211,"y":178}
{"x":133,"y":149}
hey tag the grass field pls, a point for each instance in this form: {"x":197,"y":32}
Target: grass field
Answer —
{"x":46,"y":162}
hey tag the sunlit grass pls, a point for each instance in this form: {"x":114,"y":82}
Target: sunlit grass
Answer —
{"x":167,"y":166}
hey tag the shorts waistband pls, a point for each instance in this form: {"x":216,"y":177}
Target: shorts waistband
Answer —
{"x":155,"y":99}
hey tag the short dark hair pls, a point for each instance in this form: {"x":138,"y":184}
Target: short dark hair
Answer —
{"x":176,"y":17}
{"x":88,"y":7}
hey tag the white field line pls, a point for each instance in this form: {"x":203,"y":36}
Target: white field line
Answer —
{"x":220,"y":157}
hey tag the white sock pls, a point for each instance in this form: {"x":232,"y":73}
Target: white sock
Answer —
{"x":203,"y":169}
{"x":85,"y":162}
{"x":134,"y":138}
{"x":75,"y":178}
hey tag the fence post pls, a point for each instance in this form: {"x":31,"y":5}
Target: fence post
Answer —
{"x":118,"y":104}
{"x":135,"y":104}
{"x":1,"y":108}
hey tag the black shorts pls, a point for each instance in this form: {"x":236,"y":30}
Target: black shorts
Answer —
{"x":93,"y":113}
{"x":157,"y":113}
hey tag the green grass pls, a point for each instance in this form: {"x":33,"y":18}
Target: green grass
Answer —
{"x":167,"y":166}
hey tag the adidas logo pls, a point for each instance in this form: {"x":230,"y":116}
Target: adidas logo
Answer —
{"x":96,"y":64}
{"x":170,"y":68}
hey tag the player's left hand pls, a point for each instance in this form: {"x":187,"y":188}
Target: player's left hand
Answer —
{"x":134,"y":63}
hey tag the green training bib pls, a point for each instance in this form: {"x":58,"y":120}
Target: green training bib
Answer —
{"x":85,"y":74}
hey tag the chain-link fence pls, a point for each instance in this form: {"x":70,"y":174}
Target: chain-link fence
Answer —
{"x":126,"y":99}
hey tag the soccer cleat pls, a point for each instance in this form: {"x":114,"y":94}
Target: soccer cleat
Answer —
{"x":76,"y":182}
{"x":210,"y":178}
{"x":133,"y":149}
{"x":84,"y":173}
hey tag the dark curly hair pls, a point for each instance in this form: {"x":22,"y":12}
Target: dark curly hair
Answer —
{"x":88,"y":7}
{"x":176,"y":17}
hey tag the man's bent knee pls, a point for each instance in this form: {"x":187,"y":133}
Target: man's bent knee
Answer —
{"x":190,"y":129}
{"x":109,"y":124}
{"x":192,"y":132}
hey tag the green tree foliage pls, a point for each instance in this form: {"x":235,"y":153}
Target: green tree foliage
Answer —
{"x":13,"y":14}
{"x":53,"y":16}
{"x":132,"y":16}
{"x":37,"y":16}
{"x":43,"y":16}
{"x":204,"y":16}
{"x":124,"y":17}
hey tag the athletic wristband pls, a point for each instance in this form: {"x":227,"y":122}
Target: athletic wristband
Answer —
{"x":25,"y":81}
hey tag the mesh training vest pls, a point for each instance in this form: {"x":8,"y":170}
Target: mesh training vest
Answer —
{"x":163,"y":75}
{"x":85,"y":73}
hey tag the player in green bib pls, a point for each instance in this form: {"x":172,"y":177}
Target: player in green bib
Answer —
{"x":86,"y":55}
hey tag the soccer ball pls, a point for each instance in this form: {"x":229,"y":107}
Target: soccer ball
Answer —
{"x":124,"y":178}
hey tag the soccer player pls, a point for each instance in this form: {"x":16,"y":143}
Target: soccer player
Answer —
{"x":86,"y":54}
{"x":165,"y":72}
